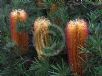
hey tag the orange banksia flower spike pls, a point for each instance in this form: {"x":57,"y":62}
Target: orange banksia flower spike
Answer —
{"x":76,"y":36}
{"x":20,"y":38}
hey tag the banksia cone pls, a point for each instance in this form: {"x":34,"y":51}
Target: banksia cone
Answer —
{"x":54,"y":7}
{"x":40,"y":4}
{"x":41,"y":36}
{"x":20,"y":38}
{"x":76,"y":35}
{"x":53,"y":10}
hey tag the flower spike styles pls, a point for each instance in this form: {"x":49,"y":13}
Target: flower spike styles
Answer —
{"x":41,"y":35}
{"x":76,"y":36}
{"x":20,"y":38}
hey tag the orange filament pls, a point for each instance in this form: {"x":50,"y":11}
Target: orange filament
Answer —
{"x":76,"y":36}
{"x":20,"y":38}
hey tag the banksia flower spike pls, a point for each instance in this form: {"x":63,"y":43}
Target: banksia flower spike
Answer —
{"x":20,"y":38}
{"x":41,"y":36}
{"x":76,"y":35}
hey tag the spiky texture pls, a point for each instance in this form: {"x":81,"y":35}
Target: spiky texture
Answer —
{"x":76,"y":35}
{"x":20,"y":38}
{"x":41,"y":35}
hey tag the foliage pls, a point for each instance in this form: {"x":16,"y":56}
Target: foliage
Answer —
{"x":13,"y":64}
{"x":40,"y":68}
{"x":60,"y":69}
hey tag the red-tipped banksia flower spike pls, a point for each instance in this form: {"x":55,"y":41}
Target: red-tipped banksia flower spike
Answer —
{"x":41,"y":36}
{"x":20,"y":38}
{"x":76,"y":36}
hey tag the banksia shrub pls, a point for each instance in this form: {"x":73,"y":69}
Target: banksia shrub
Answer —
{"x":20,"y":38}
{"x":41,"y":36}
{"x":76,"y":36}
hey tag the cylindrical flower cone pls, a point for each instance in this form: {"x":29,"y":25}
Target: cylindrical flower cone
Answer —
{"x":76,"y":36}
{"x":41,"y":36}
{"x":40,"y":4}
{"x":54,"y":7}
{"x":53,"y":10}
{"x":20,"y":38}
